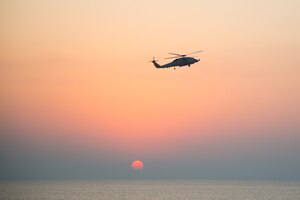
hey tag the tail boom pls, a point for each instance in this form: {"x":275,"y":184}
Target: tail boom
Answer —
{"x":156,"y":64}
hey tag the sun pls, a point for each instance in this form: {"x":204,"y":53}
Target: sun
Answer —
{"x":137,"y":165}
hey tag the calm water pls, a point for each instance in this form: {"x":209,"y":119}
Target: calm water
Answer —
{"x":206,"y":190}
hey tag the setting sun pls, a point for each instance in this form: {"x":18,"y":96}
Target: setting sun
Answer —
{"x":137,"y":165}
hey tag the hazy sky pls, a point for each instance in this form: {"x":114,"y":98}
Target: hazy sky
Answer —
{"x":79,"y":98}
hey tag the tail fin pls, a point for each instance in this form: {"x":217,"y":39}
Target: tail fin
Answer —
{"x":155,"y":63}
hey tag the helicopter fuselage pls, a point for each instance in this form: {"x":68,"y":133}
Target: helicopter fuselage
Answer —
{"x":180,"y":62}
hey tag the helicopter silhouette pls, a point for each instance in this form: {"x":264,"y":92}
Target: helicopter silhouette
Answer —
{"x":180,"y":61}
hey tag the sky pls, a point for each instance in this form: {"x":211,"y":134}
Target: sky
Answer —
{"x":79,"y":99}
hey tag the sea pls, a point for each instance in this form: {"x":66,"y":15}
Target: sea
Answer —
{"x":149,"y":189}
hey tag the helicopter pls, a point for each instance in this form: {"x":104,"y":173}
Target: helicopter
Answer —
{"x":180,"y":61}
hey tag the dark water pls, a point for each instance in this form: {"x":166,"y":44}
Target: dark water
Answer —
{"x":206,"y":190}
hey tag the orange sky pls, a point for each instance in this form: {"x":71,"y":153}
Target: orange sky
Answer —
{"x":83,"y":65}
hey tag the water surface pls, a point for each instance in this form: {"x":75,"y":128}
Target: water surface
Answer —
{"x":104,"y":190}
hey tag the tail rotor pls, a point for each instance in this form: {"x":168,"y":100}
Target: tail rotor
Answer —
{"x":153,"y":60}
{"x":155,"y":63}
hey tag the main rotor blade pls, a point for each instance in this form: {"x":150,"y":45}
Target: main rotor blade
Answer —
{"x":182,"y":55}
{"x":194,"y":52}
{"x":176,"y":54}
{"x":173,"y":57}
